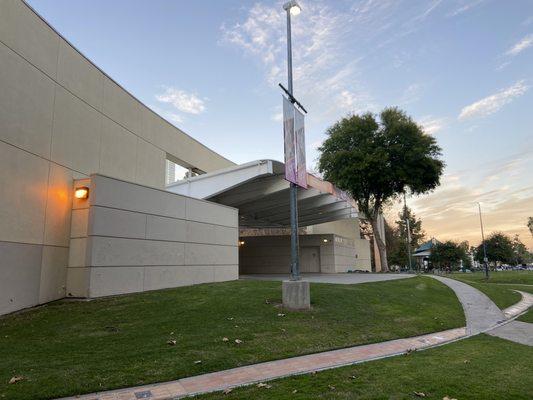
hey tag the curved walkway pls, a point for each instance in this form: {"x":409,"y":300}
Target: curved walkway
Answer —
{"x":481,"y":313}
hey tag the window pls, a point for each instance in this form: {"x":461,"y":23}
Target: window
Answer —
{"x":175,"y":172}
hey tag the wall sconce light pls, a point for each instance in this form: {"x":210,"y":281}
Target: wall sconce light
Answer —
{"x":81,"y":192}
{"x":325,"y":240}
{"x":241,"y":242}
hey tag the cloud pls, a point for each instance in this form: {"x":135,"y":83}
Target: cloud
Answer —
{"x":491,"y":104}
{"x":181,"y":100}
{"x":519,"y":47}
{"x":464,"y":8}
{"x":327,"y":66}
{"x":450,"y":212}
{"x":432,"y":125}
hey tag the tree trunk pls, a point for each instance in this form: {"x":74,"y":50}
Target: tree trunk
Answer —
{"x":382,"y":249}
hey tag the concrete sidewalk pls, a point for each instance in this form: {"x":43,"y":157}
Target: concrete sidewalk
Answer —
{"x":480,"y":312}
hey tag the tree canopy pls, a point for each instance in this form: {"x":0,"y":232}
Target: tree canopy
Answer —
{"x":499,"y":249}
{"x":377,"y":160}
{"x":448,"y":254}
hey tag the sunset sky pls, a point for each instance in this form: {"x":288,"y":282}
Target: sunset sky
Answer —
{"x":462,"y":69}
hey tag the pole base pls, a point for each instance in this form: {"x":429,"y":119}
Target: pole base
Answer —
{"x":296,"y":295}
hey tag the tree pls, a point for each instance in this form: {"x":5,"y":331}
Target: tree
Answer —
{"x":521,"y":254}
{"x":499,"y":249}
{"x":530,"y":225}
{"x":416,"y":232}
{"x":376,"y":161}
{"x":448,"y":255}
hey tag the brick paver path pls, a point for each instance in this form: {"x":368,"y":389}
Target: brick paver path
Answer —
{"x":481,"y":315}
{"x":275,"y":369}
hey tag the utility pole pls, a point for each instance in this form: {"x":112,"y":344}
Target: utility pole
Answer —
{"x":485,"y":259}
{"x":407,"y":225}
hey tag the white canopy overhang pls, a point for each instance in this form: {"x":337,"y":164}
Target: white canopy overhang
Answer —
{"x":261,"y":193}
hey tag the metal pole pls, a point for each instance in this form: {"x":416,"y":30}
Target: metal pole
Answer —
{"x":407,"y":225}
{"x":485,"y":259}
{"x":295,"y":259}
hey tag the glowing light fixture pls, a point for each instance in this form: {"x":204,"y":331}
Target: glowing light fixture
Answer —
{"x":81,"y":192}
{"x":325,"y":240}
{"x":293,"y":7}
{"x":241,"y":242}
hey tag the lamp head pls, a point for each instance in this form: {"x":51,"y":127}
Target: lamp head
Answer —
{"x":293,"y":7}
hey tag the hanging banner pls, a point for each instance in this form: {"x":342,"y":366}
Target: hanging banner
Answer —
{"x":299,"y":135}
{"x":294,"y":142}
{"x":288,"y":134}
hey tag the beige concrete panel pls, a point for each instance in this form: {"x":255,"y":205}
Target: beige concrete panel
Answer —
{"x":206,"y":254}
{"x":80,"y":223}
{"x":53,"y":273}
{"x":163,"y":228}
{"x":226,"y":273}
{"x":23,"y":188}
{"x":109,"y":192}
{"x":108,"y":251}
{"x":118,"y":151}
{"x":78,"y":280}
{"x":58,"y":206}
{"x":20,"y":267}
{"x":111,"y":222}
{"x":160,"y":277}
{"x":79,"y":76}
{"x":122,"y":107}
{"x":150,"y":165}
{"x":200,"y":232}
{"x":206,"y":159}
{"x":107,"y":281}
{"x":151,"y":126}
{"x":26,"y":104}
{"x":76,"y":133}
{"x":348,"y":228}
{"x":27,"y":34}
{"x":212,"y":213}
{"x":226,"y":235}
{"x":78,"y":252}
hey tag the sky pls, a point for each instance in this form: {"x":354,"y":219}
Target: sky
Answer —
{"x":463,"y":69}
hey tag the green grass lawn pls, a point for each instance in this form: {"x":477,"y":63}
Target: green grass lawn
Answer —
{"x":482,"y":367}
{"x":501,"y":285}
{"x":518,"y":277}
{"x":527,"y":317}
{"x":68,"y":348}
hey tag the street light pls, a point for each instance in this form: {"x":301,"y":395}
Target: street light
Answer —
{"x":485,"y":259}
{"x":292,"y":8}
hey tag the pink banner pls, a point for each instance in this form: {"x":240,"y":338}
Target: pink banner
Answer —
{"x":288,"y":132}
{"x":299,"y":134}
{"x":294,"y":135}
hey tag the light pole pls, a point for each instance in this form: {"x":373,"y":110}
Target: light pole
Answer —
{"x":408,"y":231}
{"x":485,"y":259}
{"x":292,"y":8}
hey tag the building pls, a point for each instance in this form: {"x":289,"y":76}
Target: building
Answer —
{"x":65,"y":124}
{"x":423,"y":252}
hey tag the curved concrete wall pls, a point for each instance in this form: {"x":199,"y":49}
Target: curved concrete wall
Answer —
{"x":62,"y":118}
